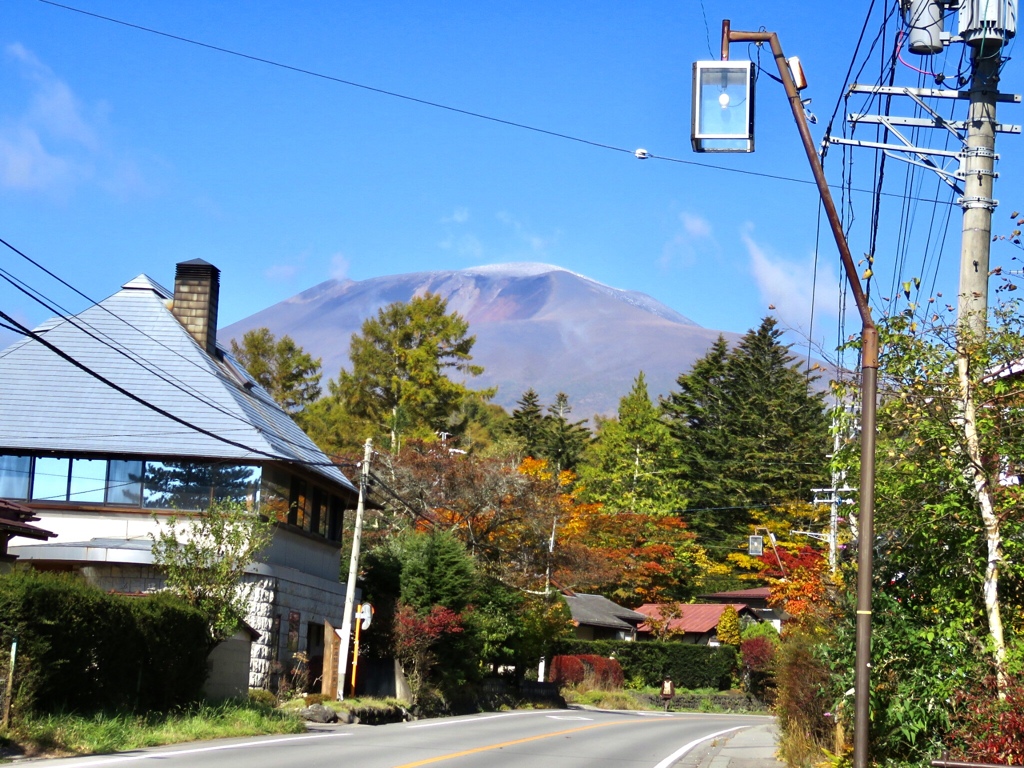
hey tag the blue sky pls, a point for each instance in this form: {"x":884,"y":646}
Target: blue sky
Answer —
{"x":123,"y":152}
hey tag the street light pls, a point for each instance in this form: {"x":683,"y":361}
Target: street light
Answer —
{"x":723,"y":106}
{"x":705,"y":95}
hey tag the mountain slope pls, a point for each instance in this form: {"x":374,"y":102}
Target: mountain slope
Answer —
{"x":536,"y":326}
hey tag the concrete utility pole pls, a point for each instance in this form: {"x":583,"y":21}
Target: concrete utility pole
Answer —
{"x":979,"y":173}
{"x":345,"y":634}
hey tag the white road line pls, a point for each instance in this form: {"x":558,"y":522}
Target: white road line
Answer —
{"x":163,"y":755}
{"x":475,"y":719}
{"x":687,"y":747}
{"x":569,"y":717}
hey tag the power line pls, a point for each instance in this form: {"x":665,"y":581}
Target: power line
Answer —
{"x":427,"y":102}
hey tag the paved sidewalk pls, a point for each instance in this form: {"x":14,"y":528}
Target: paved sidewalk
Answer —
{"x":752,"y":747}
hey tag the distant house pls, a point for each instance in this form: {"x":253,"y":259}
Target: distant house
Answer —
{"x":756,"y":598}
{"x":598,"y":618}
{"x":688,"y":623}
{"x":130,"y":413}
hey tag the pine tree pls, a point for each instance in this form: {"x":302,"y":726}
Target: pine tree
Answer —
{"x":750,"y":432}
{"x":564,"y":440}
{"x":627,"y":464}
{"x":528,"y":423}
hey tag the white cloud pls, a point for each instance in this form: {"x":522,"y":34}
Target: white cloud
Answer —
{"x":459,"y":216}
{"x":53,"y":142}
{"x":537,"y":244}
{"x":788,"y":286}
{"x":339,"y":266}
{"x":695,"y":226}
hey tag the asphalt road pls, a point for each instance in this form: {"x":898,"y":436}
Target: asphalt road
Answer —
{"x":527,"y":739}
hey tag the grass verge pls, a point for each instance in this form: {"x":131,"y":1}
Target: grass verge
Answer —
{"x":65,"y":735}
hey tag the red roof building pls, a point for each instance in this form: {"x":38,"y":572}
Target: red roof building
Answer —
{"x":689,"y":623}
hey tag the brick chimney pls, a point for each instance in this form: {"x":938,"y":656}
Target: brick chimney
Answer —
{"x":196,"y":294}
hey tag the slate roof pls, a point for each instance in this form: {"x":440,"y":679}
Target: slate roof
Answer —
{"x":693,"y":618}
{"x":599,"y":611}
{"x":132,"y":339}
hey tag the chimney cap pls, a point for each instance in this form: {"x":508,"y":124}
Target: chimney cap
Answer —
{"x":195,"y":263}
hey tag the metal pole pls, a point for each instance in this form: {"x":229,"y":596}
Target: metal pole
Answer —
{"x":353,"y":571}
{"x":977,"y":201}
{"x":869,"y":394}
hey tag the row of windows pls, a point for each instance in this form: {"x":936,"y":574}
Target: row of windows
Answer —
{"x":183,"y":485}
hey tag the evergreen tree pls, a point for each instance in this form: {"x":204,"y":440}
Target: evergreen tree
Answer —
{"x":627,"y":465}
{"x":750,"y":432}
{"x":564,"y":440}
{"x":528,"y":424}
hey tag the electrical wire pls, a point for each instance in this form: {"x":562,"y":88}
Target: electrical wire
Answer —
{"x":417,"y":100}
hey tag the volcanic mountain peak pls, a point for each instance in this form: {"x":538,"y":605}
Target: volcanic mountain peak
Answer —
{"x":536,"y":325}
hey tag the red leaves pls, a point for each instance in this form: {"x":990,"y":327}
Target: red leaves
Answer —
{"x":414,"y":634}
{"x":597,"y":670}
{"x":757,"y":653}
{"x":987,"y":729}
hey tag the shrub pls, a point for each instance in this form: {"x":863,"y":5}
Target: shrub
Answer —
{"x":986,"y":729}
{"x":262,"y":697}
{"x":82,"y":650}
{"x":602,"y":672}
{"x":567,"y":670}
{"x":650,"y":662}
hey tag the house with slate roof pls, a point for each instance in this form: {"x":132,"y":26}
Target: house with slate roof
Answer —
{"x":131,"y":412}
{"x":598,"y":618}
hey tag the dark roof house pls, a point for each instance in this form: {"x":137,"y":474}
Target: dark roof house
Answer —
{"x":598,"y":618}
{"x":132,"y":409}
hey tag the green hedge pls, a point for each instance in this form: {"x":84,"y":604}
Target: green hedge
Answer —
{"x":82,"y":650}
{"x":688,"y":666}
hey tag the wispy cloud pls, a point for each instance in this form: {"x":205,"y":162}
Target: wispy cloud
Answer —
{"x":459,"y":216}
{"x":787,"y":286}
{"x":537,"y":244}
{"x":695,"y":236}
{"x":340,"y":265}
{"x":695,"y":226}
{"x":54,"y":143}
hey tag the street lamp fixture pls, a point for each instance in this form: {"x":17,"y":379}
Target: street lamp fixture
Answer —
{"x":723,"y":106}
{"x":791,"y":77}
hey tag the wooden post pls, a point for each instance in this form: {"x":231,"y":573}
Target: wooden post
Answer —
{"x":10,"y":687}
{"x":329,"y":684}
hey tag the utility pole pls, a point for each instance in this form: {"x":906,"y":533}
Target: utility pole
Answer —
{"x":979,"y":173}
{"x":345,"y":633}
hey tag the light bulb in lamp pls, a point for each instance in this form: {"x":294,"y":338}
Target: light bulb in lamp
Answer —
{"x":723,"y":100}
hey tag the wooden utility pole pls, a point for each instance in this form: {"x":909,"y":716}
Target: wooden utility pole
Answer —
{"x":353,"y":572}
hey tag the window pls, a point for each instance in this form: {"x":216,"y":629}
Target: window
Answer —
{"x":124,"y":483}
{"x":194,"y":486}
{"x":88,"y":481}
{"x":14,"y":475}
{"x":297,"y":503}
{"x":50,"y":479}
{"x":337,"y":517}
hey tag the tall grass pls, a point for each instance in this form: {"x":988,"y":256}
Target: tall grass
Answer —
{"x":61,"y":735}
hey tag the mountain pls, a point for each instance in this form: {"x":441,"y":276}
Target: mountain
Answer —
{"x":536,"y":326}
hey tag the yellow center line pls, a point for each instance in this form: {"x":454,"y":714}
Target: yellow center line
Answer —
{"x":477,"y":750}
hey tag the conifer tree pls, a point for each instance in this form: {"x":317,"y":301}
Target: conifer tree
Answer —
{"x":627,"y":465}
{"x":528,"y":423}
{"x":565,"y":441}
{"x":750,"y":432}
